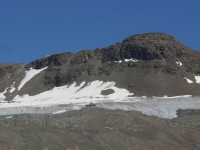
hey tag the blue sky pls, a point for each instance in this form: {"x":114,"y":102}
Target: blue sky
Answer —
{"x":31,"y":29}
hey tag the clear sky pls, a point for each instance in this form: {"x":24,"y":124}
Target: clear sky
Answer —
{"x":31,"y":29}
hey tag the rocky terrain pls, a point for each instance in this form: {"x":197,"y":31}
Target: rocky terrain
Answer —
{"x":100,"y":129}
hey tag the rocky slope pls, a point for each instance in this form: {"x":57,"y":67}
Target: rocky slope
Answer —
{"x":100,"y":129}
{"x":152,"y":64}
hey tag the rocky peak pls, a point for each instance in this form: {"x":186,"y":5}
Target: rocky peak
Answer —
{"x":154,"y":46}
{"x":148,"y":46}
{"x":157,"y":36}
{"x":145,"y":47}
{"x":52,"y":60}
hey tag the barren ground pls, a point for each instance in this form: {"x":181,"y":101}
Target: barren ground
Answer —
{"x":100,"y":129}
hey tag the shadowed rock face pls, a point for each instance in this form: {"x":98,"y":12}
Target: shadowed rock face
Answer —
{"x":53,"y":60}
{"x":155,"y":73}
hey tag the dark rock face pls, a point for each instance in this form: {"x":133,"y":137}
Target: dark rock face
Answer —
{"x":155,"y":73}
{"x":53,"y":60}
{"x":10,"y":73}
{"x":146,"y":47}
{"x":154,"y":46}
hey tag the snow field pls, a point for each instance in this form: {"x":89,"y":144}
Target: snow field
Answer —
{"x":78,"y":96}
{"x":75,"y":94}
{"x":161,"y":107}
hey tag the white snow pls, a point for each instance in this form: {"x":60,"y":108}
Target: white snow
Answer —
{"x":128,"y":60}
{"x":197,"y":78}
{"x":12,"y":88}
{"x":164,"y":108}
{"x":179,"y":63}
{"x":75,"y":96}
{"x":29,"y":75}
{"x":59,"y":112}
{"x":172,"y":97}
{"x":2,"y":96}
{"x":47,"y":56}
{"x":188,"y":80}
{"x":161,"y":107}
{"x":9,"y":117}
{"x":120,"y":61}
{"x":72,"y":94}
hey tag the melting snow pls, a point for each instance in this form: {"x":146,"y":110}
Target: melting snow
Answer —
{"x":164,"y":108}
{"x":9,"y":117}
{"x":75,"y":94}
{"x":12,"y":88}
{"x":29,"y":75}
{"x":188,"y":80}
{"x":172,"y":97}
{"x":2,"y":96}
{"x":59,"y":112}
{"x":120,"y":61}
{"x":126,"y":60}
{"x":133,"y":60}
{"x":197,"y":78}
{"x":179,"y":63}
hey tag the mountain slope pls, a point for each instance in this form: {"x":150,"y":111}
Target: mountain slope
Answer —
{"x":152,"y":64}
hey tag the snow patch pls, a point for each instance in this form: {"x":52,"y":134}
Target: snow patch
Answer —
{"x":188,"y":80}
{"x":172,"y":97}
{"x":197,"y":78}
{"x":2,"y":96}
{"x":59,"y":112}
{"x":12,"y":88}
{"x":29,"y":75}
{"x":128,"y":60}
{"x":179,"y":63}
{"x":120,"y":61}
{"x":9,"y":117}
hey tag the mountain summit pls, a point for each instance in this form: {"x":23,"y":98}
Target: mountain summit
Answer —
{"x":152,"y":64}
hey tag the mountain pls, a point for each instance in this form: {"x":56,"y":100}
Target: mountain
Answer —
{"x":152,"y":64}
{"x":153,"y":76}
